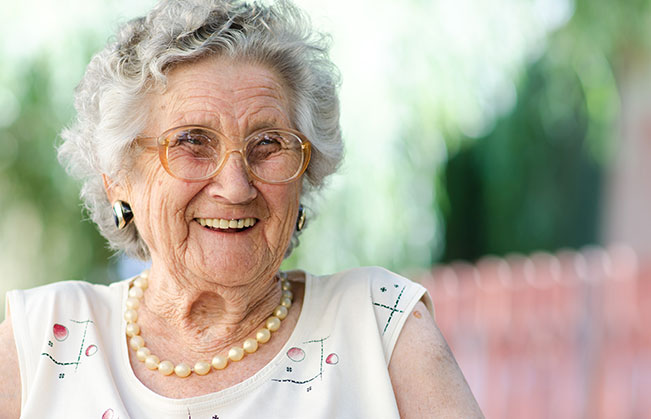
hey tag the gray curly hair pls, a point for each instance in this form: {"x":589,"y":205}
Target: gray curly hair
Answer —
{"x":118,"y":78}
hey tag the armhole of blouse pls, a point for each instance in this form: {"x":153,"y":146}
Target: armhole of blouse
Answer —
{"x":429,"y":304}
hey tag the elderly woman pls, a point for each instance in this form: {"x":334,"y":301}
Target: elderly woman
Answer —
{"x":200,"y":130}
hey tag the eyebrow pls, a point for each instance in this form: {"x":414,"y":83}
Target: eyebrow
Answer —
{"x":260,"y":126}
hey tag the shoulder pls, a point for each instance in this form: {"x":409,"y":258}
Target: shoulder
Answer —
{"x":32,"y":308}
{"x":368,"y":272}
{"x":379,"y":285}
{"x":63,"y":287}
{"x":384,"y":295}
{"x":375,"y":284}
{"x":57,"y":293}
{"x":371,"y":277}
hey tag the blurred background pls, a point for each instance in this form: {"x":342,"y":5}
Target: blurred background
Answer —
{"x":496,"y":151}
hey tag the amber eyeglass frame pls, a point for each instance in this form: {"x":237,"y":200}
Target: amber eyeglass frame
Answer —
{"x":162,"y":144}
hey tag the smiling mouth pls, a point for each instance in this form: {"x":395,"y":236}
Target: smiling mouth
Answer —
{"x":224,"y":225}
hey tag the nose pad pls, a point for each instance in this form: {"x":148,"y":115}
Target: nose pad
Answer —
{"x":233,"y":182}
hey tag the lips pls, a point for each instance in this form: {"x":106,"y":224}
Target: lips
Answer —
{"x":225,"y":224}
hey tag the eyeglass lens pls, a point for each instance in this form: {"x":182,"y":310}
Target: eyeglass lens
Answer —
{"x":196,"y":153}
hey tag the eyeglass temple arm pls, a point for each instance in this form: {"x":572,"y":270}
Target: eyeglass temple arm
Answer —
{"x":147,"y":142}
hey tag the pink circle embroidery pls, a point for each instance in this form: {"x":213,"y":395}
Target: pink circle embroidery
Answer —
{"x":332,"y":359}
{"x":108,"y":414}
{"x":91,"y":350}
{"x":60,"y":332}
{"x":296,"y":354}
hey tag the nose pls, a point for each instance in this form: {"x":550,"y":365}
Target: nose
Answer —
{"x":232,"y":184}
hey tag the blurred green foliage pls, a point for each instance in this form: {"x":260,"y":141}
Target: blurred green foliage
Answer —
{"x":535,"y":182}
{"x":45,"y":234}
{"x":532,"y":183}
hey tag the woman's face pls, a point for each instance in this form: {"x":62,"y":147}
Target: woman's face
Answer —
{"x":235,"y":99}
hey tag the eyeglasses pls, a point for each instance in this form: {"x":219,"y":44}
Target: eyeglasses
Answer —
{"x":194,"y":153}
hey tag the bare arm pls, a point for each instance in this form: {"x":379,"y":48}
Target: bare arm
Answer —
{"x":10,"y":392}
{"x":426,"y":379}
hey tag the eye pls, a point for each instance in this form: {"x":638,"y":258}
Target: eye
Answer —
{"x":193,"y":138}
{"x":267,"y":139}
{"x":266,"y":144}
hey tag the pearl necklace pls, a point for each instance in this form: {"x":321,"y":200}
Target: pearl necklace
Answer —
{"x":219,"y":362}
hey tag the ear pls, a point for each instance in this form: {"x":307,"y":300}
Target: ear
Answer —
{"x":114,"y":190}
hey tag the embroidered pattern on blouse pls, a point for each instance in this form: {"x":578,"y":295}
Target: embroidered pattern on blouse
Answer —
{"x":212,"y":417}
{"x":393,"y":309}
{"x":109,"y":414}
{"x":61,"y":333}
{"x":299,"y":354}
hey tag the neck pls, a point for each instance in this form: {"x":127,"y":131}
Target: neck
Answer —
{"x":202,"y":316}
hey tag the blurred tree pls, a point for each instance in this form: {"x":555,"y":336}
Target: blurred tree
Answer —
{"x":531,"y":184}
{"x":44,"y":235}
{"x":536,"y":180}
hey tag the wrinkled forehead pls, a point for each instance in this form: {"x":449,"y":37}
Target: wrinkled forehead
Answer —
{"x":232,"y":97}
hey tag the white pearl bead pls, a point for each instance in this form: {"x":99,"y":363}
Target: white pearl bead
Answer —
{"x":131,"y":315}
{"x":151,"y":362}
{"x":136,"y":342}
{"x":136,"y":292}
{"x":166,"y":367}
{"x":235,"y":353}
{"x":133,"y":329}
{"x":182,"y":370}
{"x":219,"y":362}
{"x":286,"y":302}
{"x":202,"y":367}
{"x":141,"y":283}
{"x":250,"y":345}
{"x":286,"y":285}
{"x":142,"y":353}
{"x":281,"y":312}
{"x":263,"y":335}
{"x":288,"y":294}
{"x":133,"y":303}
{"x":273,"y":323}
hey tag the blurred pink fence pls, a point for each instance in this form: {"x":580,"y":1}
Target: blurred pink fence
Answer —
{"x":562,"y":335}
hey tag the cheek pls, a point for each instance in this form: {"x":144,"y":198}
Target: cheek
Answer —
{"x":158,"y":200}
{"x":285,"y":204}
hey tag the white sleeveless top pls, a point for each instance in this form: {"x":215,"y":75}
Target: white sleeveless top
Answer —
{"x":74,"y":360}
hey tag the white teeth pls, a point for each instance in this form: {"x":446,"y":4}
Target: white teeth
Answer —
{"x":225,"y":224}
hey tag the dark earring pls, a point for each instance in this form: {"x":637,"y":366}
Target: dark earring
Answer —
{"x":122,"y":214}
{"x":300,"y":221}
